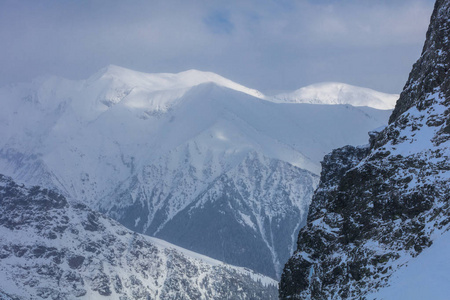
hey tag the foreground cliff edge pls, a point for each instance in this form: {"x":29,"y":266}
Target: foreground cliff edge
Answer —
{"x":379,"y":206}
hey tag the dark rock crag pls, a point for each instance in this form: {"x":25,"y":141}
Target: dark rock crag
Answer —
{"x":379,"y":205}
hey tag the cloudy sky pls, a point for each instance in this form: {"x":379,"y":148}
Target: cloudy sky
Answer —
{"x":270,"y":45}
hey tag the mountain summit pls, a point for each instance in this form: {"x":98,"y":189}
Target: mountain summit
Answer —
{"x":167,"y":81}
{"x":339,"y":93}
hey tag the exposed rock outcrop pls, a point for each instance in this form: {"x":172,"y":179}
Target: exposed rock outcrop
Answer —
{"x":379,"y":206}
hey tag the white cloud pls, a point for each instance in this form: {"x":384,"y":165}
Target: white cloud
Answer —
{"x":264,"y":44}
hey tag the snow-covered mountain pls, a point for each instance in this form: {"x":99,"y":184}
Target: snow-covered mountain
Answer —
{"x":192,"y":157}
{"x":53,"y":249}
{"x":378,"y":225}
{"x":339,"y":93}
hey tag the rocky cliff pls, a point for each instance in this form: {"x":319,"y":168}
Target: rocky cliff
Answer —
{"x":377,"y":207}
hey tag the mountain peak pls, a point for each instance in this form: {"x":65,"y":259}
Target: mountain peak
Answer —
{"x":339,"y":93}
{"x":167,"y":81}
{"x":110,"y":71}
{"x":159,"y":150}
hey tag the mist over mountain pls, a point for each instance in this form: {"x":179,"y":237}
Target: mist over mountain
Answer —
{"x":193,"y":158}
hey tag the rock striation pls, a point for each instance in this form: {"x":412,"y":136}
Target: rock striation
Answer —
{"x":379,"y":206}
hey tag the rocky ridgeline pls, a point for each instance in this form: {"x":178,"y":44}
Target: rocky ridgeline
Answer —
{"x":50,"y":249}
{"x":379,"y":206}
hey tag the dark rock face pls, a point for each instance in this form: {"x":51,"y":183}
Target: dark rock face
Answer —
{"x":52,"y":249}
{"x":430,"y":72}
{"x":377,"y":207}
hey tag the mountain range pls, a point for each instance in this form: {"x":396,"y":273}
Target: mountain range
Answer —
{"x":102,"y":174}
{"x":192,"y":158}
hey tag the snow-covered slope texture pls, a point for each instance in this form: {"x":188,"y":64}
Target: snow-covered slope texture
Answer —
{"x":424,"y":277}
{"x":153,"y":150}
{"x":52,"y":249}
{"x":380,"y":207}
{"x":339,"y":93}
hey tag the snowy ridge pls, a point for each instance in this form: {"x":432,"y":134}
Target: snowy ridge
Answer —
{"x":260,"y":278}
{"x":166,"y":87}
{"x":50,"y":248}
{"x":339,"y":93}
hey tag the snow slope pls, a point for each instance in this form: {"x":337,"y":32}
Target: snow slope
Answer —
{"x":424,"y":277}
{"x":339,"y":93}
{"x":149,"y":149}
{"x":51,"y":248}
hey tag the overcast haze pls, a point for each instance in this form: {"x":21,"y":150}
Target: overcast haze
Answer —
{"x":268,"y":45}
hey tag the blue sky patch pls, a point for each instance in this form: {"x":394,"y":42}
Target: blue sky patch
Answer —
{"x":219,"y":22}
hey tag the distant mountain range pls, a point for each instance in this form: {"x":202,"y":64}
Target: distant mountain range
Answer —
{"x":193,"y":158}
